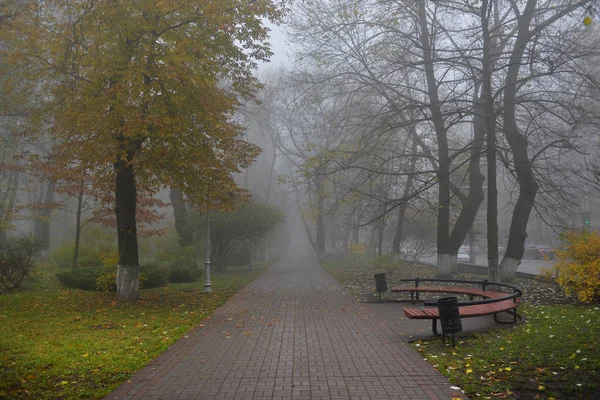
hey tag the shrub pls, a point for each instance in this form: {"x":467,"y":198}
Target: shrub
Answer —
{"x":180,"y":262}
{"x":83,"y":278}
{"x":107,"y":280}
{"x":182,"y":276}
{"x":96,"y":249}
{"x":16,"y":261}
{"x":356,"y":250}
{"x":577,"y":269}
{"x":386,"y":262}
{"x":153,"y":276}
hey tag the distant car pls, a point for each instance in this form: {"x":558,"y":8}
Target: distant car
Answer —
{"x":463,"y":256}
{"x":537,"y":251}
{"x":408,"y":252}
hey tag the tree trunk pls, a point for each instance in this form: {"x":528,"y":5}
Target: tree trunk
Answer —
{"x":490,"y":123}
{"x":320,"y":221}
{"x":443,"y":174}
{"x":475,"y":196}
{"x":346,"y":242}
{"x":42,"y":225}
{"x":7,"y":202}
{"x":125,"y":209}
{"x":184,"y":230}
{"x":528,"y":186}
{"x":407,"y":191}
{"x":309,"y":234}
{"x":77,"y":228}
{"x":380,"y":230}
{"x":355,"y":236}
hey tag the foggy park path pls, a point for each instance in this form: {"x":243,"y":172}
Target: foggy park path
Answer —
{"x":294,"y":334}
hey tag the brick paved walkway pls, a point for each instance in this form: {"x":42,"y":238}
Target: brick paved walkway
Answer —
{"x":294,"y":334}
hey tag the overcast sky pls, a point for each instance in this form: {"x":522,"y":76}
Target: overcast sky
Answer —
{"x":280,"y":47}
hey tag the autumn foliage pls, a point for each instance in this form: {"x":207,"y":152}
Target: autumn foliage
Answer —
{"x":138,"y":95}
{"x":577,"y":269}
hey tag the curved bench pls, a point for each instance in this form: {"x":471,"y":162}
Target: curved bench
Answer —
{"x":492,"y":302}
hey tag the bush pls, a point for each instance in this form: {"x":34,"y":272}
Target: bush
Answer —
{"x":356,"y":250}
{"x":107,"y":280}
{"x":180,"y":262}
{"x":153,"y":276}
{"x":182,"y":276}
{"x":83,"y":278}
{"x":16,"y":261}
{"x":96,"y":249}
{"x":577,"y":269}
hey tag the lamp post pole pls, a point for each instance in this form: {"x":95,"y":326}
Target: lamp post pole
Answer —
{"x":251,"y":267}
{"x":207,"y":282}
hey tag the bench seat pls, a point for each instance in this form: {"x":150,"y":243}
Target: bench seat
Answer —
{"x":476,"y":310}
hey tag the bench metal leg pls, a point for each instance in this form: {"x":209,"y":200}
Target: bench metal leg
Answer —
{"x":514,"y":314}
{"x":434,"y":327}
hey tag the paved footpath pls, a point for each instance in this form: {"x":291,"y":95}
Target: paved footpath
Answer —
{"x":295,"y":334}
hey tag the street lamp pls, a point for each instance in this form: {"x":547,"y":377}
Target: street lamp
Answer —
{"x":207,"y":282}
{"x":251,"y":267}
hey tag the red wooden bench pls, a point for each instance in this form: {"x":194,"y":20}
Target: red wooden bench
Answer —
{"x":493,"y":302}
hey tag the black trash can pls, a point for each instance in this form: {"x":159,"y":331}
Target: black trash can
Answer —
{"x":380,"y":284}
{"x":449,"y":317}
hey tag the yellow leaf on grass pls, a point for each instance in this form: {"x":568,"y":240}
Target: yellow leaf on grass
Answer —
{"x":469,"y":371}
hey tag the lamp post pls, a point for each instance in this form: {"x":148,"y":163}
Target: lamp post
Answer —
{"x":207,"y":282}
{"x":266,"y":248}
{"x":251,"y":267}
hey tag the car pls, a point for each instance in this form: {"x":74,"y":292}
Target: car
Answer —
{"x":463,"y":256}
{"x":536,"y":251}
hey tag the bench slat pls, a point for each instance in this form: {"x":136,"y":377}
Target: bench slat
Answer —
{"x":465,"y":311}
{"x":450,"y":289}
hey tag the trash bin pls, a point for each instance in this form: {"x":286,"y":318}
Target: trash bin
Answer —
{"x":380,"y":284}
{"x":449,"y":317}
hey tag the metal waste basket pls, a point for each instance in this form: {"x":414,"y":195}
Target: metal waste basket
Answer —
{"x":380,"y":284}
{"x":449,"y":317}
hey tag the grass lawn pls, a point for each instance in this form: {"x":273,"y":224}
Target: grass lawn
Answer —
{"x":552,"y":354}
{"x":63,"y":343}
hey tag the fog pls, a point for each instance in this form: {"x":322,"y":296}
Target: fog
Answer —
{"x":377,"y":129}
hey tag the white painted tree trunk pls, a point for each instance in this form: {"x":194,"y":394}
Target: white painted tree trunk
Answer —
{"x":453,"y":263}
{"x":128,"y":282}
{"x":508,"y":268}
{"x":444,"y":265}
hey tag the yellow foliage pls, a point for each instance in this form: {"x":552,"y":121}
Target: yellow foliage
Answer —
{"x":357,"y":250}
{"x":578,"y":267}
{"x":109,"y":259}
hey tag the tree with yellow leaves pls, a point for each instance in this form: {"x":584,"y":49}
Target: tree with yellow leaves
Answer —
{"x":141,"y":91}
{"x":577,"y":269}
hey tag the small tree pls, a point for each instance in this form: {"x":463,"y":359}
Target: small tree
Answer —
{"x":578,"y":267}
{"x":228,"y":230}
{"x":16,"y":261}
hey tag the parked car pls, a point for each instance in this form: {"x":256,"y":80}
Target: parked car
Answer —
{"x":536,"y":251}
{"x":463,"y":256}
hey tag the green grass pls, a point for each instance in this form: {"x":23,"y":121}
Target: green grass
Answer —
{"x":553,"y":354}
{"x":63,"y":343}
